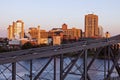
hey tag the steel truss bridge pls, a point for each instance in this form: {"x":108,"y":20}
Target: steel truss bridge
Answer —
{"x":55,"y":62}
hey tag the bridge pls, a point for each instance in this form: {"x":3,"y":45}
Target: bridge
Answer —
{"x":55,"y":62}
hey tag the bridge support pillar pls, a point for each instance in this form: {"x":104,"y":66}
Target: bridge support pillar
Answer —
{"x":108,"y":48}
{"x":54,"y":67}
{"x":30,"y":70}
{"x":61,"y":67}
{"x":105,"y":70}
{"x":85,"y":65}
{"x":14,"y":71}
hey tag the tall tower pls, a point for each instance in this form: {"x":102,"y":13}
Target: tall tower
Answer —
{"x":16,"y":30}
{"x":38,"y":35}
{"x":91,"y":25}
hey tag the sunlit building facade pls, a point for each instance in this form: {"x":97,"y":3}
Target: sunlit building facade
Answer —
{"x":71,"y":33}
{"x":16,"y":30}
{"x":33,"y":31}
{"x":38,"y":35}
{"x":44,"y":34}
{"x":66,"y":33}
{"x":10,"y":32}
{"x":56,"y":40}
{"x":91,"y":25}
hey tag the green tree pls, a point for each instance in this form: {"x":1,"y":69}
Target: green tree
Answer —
{"x":27,"y":45}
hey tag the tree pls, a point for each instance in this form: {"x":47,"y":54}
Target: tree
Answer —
{"x":27,"y":45}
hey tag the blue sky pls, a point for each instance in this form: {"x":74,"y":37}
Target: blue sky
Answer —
{"x":53,"y":13}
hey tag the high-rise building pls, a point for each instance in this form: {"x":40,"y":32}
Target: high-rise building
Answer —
{"x":16,"y":30}
{"x":91,"y":25}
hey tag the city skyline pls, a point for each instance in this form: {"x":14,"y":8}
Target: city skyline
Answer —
{"x":49,"y":14}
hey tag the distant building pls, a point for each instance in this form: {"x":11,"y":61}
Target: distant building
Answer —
{"x":44,"y":34}
{"x":38,"y":35}
{"x":10,"y":32}
{"x":14,"y":44}
{"x":65,"y":33}
{"x":64,"y":26}
{"x":55,"y":32}
{"x":101,"y":33}
{"x":16,"y":30}
{"x":91,"y":26}
{"x":44,"y":41}
{"x":56,"y":40}
{"x":33,"y":31}
{"x":71,"y":33}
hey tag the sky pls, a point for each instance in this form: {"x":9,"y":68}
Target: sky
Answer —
{"x":53,"y":13}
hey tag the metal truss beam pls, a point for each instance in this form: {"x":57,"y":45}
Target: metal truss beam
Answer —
{"x":115,"y":65}
{"x":31,"y":69}
{"x":37,"y":76}
{"x":72,"y":63}
{"x":61,"y":67}
{"x":93,"y":59}
{"x":85,"y":65}
{"x":54,"y":67}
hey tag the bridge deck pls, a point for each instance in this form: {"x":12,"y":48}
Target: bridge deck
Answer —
{"x":115,"y":78}
{"x":9,"y":57}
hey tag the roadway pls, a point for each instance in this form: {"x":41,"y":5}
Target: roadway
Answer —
{"x":21,"y":55}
